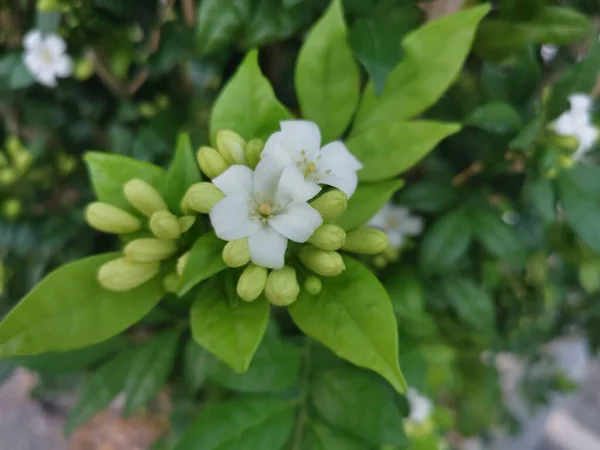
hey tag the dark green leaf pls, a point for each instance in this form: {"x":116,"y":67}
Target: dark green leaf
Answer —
{"x":406,"y":294}
{"x":429,"y":196}
{"x":6,"y":369}
{"x":203,"y":262}
{"x":197,"y":363}
{"x":318,"y":436}
{"x":182,"y":173}
{"x":21,"y":77}
{"x":498,"y":238}
{"x":495,"y":117}
{"x":219,"y":22}
{"x":540,"y":193}
{"x":471,"y":303}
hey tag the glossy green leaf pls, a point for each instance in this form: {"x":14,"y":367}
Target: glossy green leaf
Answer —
{"x":219,"y":22}
{"x":247,"y":104}
{"x":197,"y":363}
{"x":245,"y":424}
{"x":446,"y":242}
{"x":204,"y":261}
{"x":389,"y":148}
{"x":429,"y":196}
{"x":69,"y":309}
{"x":318,"y":436}
{"x":353,"y":316}
{"x":498,"y":238}
{"x":540,"y":193}
{"x":495,"y":117}
{"x":366,"y":202}
{"x":227,"y":326}
{"x":109,"y":173}
{"x":433,"y":57}
{"x":471,"y":303}
{"x":182,"y":173}
{"x":356,"y":403}
{"x":327,"y":77}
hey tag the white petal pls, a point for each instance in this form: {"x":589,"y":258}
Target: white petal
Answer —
{"x":267,"y":248}
{"x":63,"y":66}
{"x":380,"y":219}
{"x":46,"y":77}
{"x":237,"y":180}
{"x":344,"y":179}
{"x":337,"y":154}
{"x":580,"y":102}
{"x":32,"y":61}
{"x":55,"y":44}
{"x":564,"y":125}
{"x":548,"y":52}
{"x":297,"y":222}
{"x":32,"y":40}
{"x":276,"y":148}
{"x":266,"y":180}
{"x":294,"y":187}
{"x":396,"y":238}
{"x":232,"y":218}
{"x":301,"y":135}
{"x":412,"y":226}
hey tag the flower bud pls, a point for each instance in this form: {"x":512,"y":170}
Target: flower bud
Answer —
{"x":570,"y":143}
{"x":122,"y":275}
{"x":144,"y":197}
{"x":236,"y":253}
{"x":565,"y":162}
{"x":22,"y":161}
{"x":331,"y":205}
{"x":186,"y":222}
{"x":282,"y":287}
{"x":252,"y":282}
{"x":201,"y":197}
{"x":110,"y":219}
{"x":149,"y":249}
{"x":211,"y":162}
{"x":253,"y":150}
{"x":84,"y":68}
{"x":328,"y":237}
{"x":380,"y":261}
{"x":366,"y":241}
{"x":171,"y":282}
{"x":321,"y":262}
{"x":231,"y":147}
{"x":313,"y":285}
{"x":181,"y":263}
{"x":165,"y":225}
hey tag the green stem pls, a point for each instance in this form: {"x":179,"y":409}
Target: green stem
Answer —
{"x":302,"y":399}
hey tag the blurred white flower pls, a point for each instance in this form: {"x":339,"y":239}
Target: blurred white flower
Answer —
{"x":45,"y":57}
{"x":548,"y":52}
{"x":299,"y":143}
{"x":420,"y":406}
{"x":269,"y":206}
{"x":577,"y":122}
{"x":397,"y":222}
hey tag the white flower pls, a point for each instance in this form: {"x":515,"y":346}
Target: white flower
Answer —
{"x":299,"y":143}
{"x":397,"y":222}
{"x":548,"y":52}
{"x":577,"y":122}
{"x":269,"y":206}
{"x":45,"y":57}
{"x":420,"y":406}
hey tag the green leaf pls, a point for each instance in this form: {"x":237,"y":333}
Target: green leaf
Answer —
{"x":47,"y":22}
{"x":540,"y":193}
{"x":197,"y":362}
{"x":495,"y":117}
{"x":109,"y":173}
{"x":446,"y":242}
{"x":389,"y":148}
{"x":353,"y":316}
{"x":406,"y":294}
{"x":517,"y":9}
{"x":498,"y":238}
{"x":429,"y":196}
{"x":353,"y":402}
{"x":471,"y":303}
{"x":149,"y":368}
{"x":219,"y":22}
{"x":227,"y":326}
{"x":21,"y":77}
{"x":327,"y":77}
{"x":368,"y":199}
{"x":247,"y":104}
{"x":182,"y":173}
{"x":203,"y":262}
{"x":6,"y":369}
{"x":69,"y":309}
{"x":433,"y":57}
{"x":318,"y":436}
{"x":246,"y":424}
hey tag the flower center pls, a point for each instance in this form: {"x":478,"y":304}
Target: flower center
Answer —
{"x":46,"y":56}
{"x":265,"y":209}
{"x":392,"y":222}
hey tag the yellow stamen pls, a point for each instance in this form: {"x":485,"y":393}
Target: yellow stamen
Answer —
{"x":265,"y":209}
{"x":311,"y":167}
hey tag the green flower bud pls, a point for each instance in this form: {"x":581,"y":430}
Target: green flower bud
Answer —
{"x":236,"y":253}
{"x":122,"y":274}
{"x":321,"y":262}
{"x":66,"y":163}
{"x":181,"y":263}
{"x":282,"y":287}
{"x":252,"y":282}
{"x":47,"y":5}
{"x":144,"y":197}
{"x":330,"y":205}
{"x":12,"y":208}
{"x":186,"y":222}
{"x":171,"y":282}
{"x":149,"y":249}
{"x":313,"y":285}
{"x":84,"y":68}
{"x":570,"y":143}
{"x":380,"y":261}
{"x":391,"y":253}
{"x":211,"y":162}
{"x":328,"y":237}
{"x":22,"y":161}
{"x":165,"y":225}
{"x":201,"y":197}
{"x":565,"y":162}
{"x":231,"y":147}
{"x":110,"y":219}
{"x":366,"y":241}
{"x":253,"y":150}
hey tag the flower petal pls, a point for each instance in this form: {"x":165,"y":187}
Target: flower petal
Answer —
{"x":63,"y":66}
{"x":565,"y":125}
{"x":266,"y":179}
{"x":580,"y":102}
{"x":232,"y":218}
{"x":276,"y":149}
{"x":337,"y":154}
{"x":32,"y":61}
{"x":411,"y":225}
{"x":297,"y":222}
{"x":344,"y":179}
{"x":294,"y":187}
{"x":32,"y":40}
{"x":46,"y":77}
{"x":396,"y":238}
{"x":55,"y":44}
{"x":380,"y":219}
{"x":237,"y":180}
{"x":301,"y":135}
{"x":267,"y":248}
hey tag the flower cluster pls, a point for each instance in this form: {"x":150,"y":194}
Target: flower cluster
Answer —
{"x":577,"y":123}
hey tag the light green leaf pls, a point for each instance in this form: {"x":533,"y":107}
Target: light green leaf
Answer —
{"x":389,"y":148}
{"x":182,"y":173}
{"x":366,"y":202}
{"x":247,"y":104}
{"x":319,"y":436}
{"x":246,"y":424}
{"x":471,"y":303}
{"x":433,"y":57}
{"x":498,"y":238}
{"x":353,"y":402}
{"x":353,"y":316}
{"x":109,"y":173}
{"x":495,"y":117}
{"x":204,"y":261}
{"x":327,"y":77}
{"x":227,"y":326}
{"x":69,"y":309}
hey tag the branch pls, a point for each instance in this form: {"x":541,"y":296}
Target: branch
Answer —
{"x":107,"y":77}
{"x":189,"y":12}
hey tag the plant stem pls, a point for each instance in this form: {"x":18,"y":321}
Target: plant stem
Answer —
{"x":302,"y":399}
